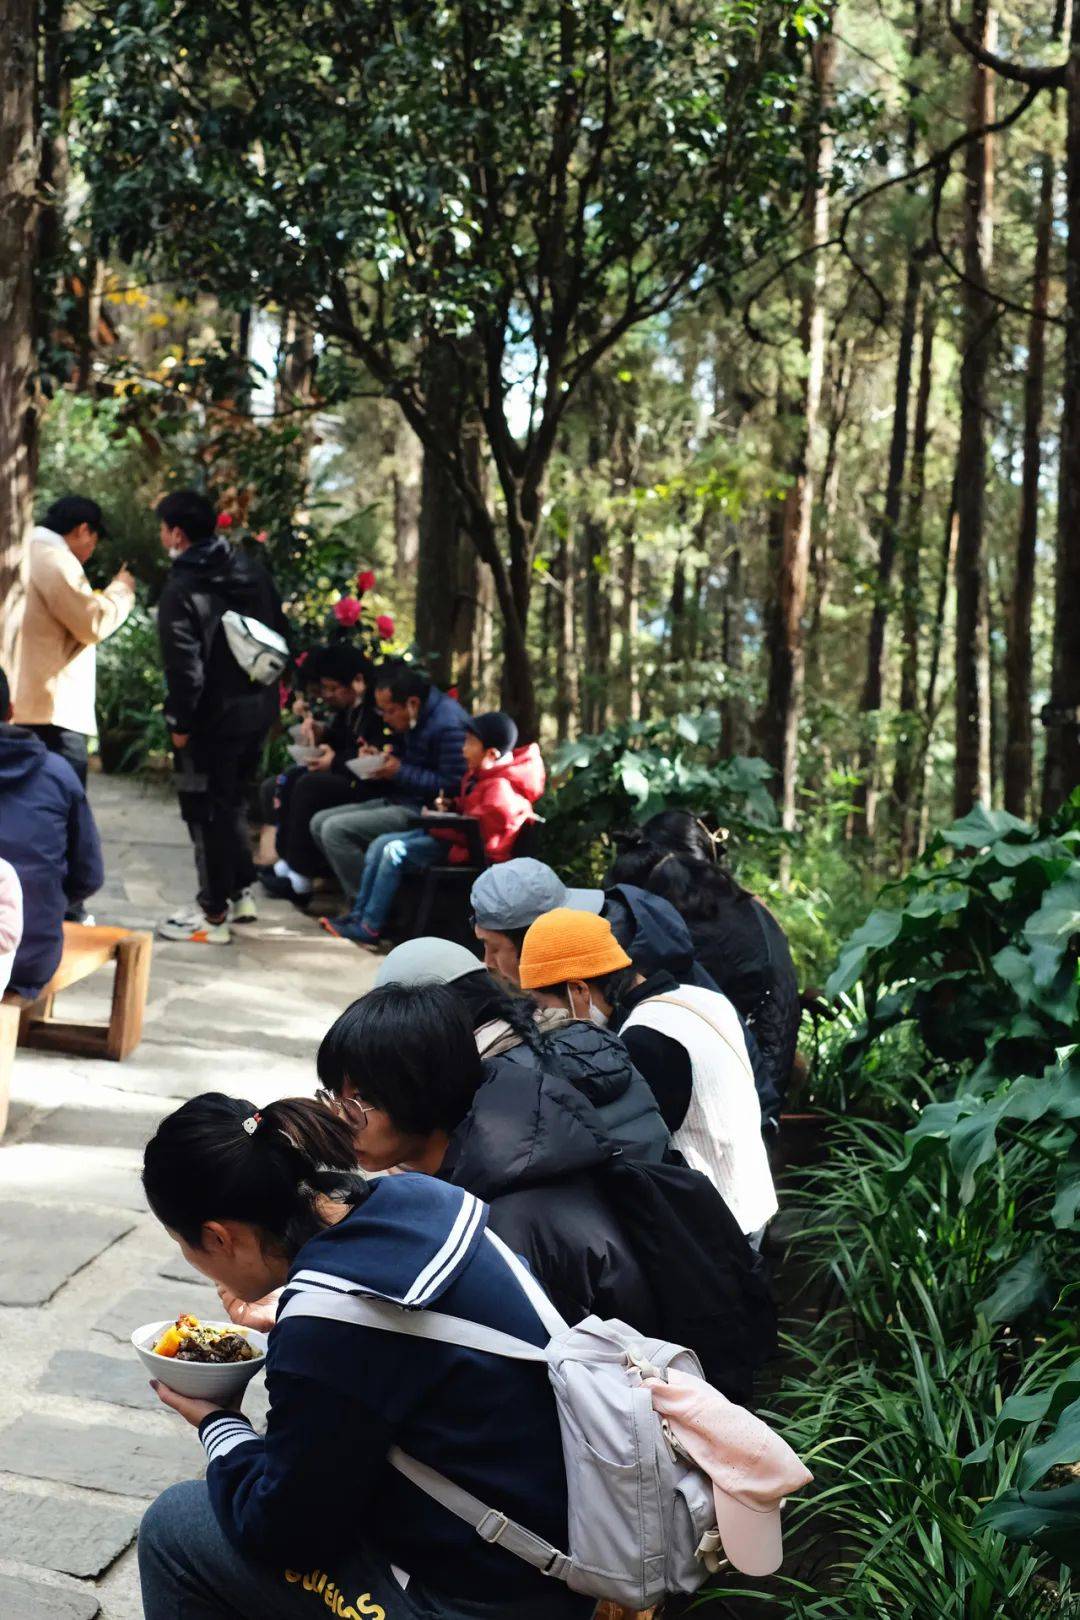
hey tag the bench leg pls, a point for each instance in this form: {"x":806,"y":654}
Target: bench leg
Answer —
{"x":129,"y":996}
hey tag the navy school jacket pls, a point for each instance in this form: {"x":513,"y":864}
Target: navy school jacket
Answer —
{"x":48,"y":833}
{"x":342,"y":1395}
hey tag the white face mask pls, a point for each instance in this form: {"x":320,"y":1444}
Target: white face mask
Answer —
{"x":172,"y":552}
{"x":595,"y":1015}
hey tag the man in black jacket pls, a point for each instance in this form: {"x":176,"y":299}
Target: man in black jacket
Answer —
{"x":217,"y":715}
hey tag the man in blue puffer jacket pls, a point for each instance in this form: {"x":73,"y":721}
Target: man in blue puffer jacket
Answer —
{"x":48,"y":834}
{"x":426,"y":758}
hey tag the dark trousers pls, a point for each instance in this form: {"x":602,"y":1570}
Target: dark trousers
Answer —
{"x":70,"y":745}
{"x":308,"y":794}
{"x":212,"y":777}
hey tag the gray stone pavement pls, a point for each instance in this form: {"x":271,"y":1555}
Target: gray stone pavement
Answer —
{"x":84,"y":1446}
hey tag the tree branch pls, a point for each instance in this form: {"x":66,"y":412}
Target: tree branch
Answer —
{"x":1040,"y":77}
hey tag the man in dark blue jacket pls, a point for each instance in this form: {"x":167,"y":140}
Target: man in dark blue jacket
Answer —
{"x":426,"y":759}
{"x":48,"y":834}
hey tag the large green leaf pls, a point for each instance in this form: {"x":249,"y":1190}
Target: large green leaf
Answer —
{"x":1019,"y":1411}
{"x":1050,"y":1519}
{"x":1051,"y":930}
{"x":1062,"y":1445}
{"x":982,"y":827}
{"x":880,"y":929}
{"x":1067,"y":1199}
{"x":1024,"y":1284}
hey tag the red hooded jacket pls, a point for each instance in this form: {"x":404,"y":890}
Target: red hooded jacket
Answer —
{"x":501,"y":798}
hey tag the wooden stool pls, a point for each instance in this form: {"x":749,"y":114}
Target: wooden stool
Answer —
{"x":86,"y":950}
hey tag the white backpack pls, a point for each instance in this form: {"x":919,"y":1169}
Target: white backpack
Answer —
{"x":262,"y":653}
{"x":641,"y":1518}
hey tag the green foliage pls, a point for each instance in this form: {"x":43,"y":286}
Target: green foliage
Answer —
{"x":960,"y":1208}
{"x":627,"y":774}
{"x":131,"y":696}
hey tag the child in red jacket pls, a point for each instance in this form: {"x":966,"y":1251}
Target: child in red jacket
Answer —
{"x":500,"y":786}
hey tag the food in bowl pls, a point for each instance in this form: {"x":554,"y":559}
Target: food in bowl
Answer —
{"x":301,"y":754}
{"x":188,"y":1339}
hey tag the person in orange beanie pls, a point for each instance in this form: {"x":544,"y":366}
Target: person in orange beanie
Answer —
{"x":572,"y":959}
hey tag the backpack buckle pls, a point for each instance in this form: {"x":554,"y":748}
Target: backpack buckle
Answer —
{"x":492,"y":1525}
{"x":558,"y":1566}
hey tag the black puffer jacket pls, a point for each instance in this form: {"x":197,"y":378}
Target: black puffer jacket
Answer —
{"x":598,"y":1065}
{"x":206,"y":690}
{"x":746,"y":951}
{"x":534,"y":1148}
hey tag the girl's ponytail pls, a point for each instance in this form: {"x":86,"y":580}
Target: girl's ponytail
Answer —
{"x":218,"y":1158}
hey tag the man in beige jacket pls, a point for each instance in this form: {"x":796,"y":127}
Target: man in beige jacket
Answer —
{"x":63,"y":622}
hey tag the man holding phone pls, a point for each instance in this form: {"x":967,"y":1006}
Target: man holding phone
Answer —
{"x":64,"y":621}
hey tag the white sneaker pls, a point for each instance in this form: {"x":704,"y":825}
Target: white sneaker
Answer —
{"x":194,"y":928}
{"x":243,"y":909}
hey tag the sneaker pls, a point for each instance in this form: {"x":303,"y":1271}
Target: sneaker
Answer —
{"x":243,"y":909}
{"x":357,"y":932}
{"x":194,"y":928}
{"x":278,"y":888}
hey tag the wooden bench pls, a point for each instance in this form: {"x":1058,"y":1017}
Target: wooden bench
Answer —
{"x":86,"y":950}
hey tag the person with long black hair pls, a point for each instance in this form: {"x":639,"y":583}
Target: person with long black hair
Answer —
{"x":736,"y":937}
{"x":259,"y":1200}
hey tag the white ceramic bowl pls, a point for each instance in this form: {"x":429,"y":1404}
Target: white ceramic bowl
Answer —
{"x":301,"y":754}
{"x":365,"y":764}
{"x":209,"y":1380}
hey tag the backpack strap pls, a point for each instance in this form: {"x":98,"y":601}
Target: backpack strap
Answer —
{"x":490,"y":1525}
{"x":529,"y":1286}
{"x":364,"y":1311}
{"x":677,"y":1001}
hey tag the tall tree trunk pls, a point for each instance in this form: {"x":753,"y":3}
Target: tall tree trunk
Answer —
{"x":823,"y":533}
{"x":1018,"y":748}
{"x":732,"y":709}
{"x":440,"y":521}
{"x":937,"y":638}
{"x":786,"y":653}
{"x":628,"y":628}
{"x":873,"y":685}
{"x":911,"y":598}
{"x":1062,"y":767}
{"x":597,"y":624}
{"x":467,"y":595}
{"x":567,"y":694}
{"x":18,"y":228}
{"x":971,"y":780}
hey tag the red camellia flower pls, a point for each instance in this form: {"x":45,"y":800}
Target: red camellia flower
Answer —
{"x":365,"y":580}
{"x":224,"y":520}
{"x":384,"y":624}
{"x":451,"y":691}
{"x":347,"y":611}
{"x":300,"y":660}
{"x":262,"y":537}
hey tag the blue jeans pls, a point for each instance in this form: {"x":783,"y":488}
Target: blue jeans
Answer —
{"x":387,"y":861}
{"x":189,"y":1571}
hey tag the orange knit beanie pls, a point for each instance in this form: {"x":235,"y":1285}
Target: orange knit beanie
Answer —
{"x":564,"y":944}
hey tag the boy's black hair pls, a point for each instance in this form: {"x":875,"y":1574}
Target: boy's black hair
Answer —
{"x":341,"y":662}
{"x":69,"y":511}
{"x":191,"y":512}
{"x":203,"y":1165}
{"x":5,"y":697}
{"x":408,"y":1049}
{"x":402,"y":681}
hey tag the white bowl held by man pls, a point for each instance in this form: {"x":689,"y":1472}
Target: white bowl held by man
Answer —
{"x":208,"y":1380}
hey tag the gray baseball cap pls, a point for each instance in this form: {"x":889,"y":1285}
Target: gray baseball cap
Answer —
{"x":428,"y":960}
{"x":514,"y":893}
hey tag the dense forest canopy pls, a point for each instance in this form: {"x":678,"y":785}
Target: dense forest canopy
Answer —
{"x":679,"y":357}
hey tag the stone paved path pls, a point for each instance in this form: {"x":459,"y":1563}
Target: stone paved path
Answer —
{"x":83,"y":1444}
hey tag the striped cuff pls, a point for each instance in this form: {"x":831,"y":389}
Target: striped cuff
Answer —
{"x":222,"y":1432}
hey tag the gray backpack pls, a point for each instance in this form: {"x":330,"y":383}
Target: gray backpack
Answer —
{"x":262,"y":653}
{"x":641,"y":1517}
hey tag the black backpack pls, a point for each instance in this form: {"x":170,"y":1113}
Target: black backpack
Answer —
{"x":710,"y":1287}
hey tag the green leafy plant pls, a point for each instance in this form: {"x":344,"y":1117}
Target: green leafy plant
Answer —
{"x":131,"y":696}
{"x":628,"y":773}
